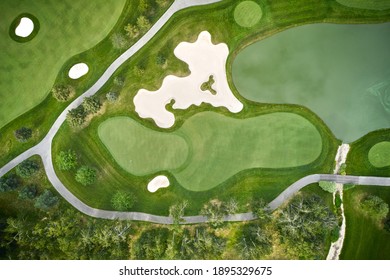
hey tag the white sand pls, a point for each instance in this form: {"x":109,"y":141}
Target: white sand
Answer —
{"x":337,"y":246}
{"x":204,"y":59}
{"x":78,"y":70}
{"x":25,"y":27}
{"x":158,"y":182}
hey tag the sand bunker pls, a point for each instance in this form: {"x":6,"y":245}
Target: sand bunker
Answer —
{"x":78,"y":70}
{"x":204,"y":60}
{"x":25,"y":27}
{"x":157,"y":183}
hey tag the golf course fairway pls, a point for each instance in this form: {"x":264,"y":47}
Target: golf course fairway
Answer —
{"x":218,"y":147}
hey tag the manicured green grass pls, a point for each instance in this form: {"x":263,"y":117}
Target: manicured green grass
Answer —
{"x":66,"y":28}
{"x":41,"y":117}
{"x":364,"y":239}
{"x":220,"y":146}
{"x":379,"y":155}
{"x":358,"y":162}
{"x":247,"y":13}
{"x":327,"y":68}
{"x":142,"y":151}
{"x":366,"y":4}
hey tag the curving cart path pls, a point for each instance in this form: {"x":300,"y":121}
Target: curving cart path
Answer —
{"x":43,"y":149}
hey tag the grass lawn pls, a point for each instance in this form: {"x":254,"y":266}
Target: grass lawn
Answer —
{"x":41,"y":117}
{"x":247,"y":13}
{"x":140,"y":150}
{"x":28,"y":70}
{"x":379,"y":155}
{"x":327,"y":68}
{"x":364,"y":239}
{"x":366,"y":4}
{"x":220,"y":146}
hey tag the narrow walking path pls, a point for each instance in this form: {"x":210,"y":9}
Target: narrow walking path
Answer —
{"x":337,"y":246}
{"x":43,"y":149}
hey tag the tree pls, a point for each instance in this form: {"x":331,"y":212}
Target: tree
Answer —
{"x":9,"y":183}
{"x":76,"y":117}
{"x":23,"y":134}
{"x":375,"y":206}
{"x":66,"y":160}
{"x":214,"y":211}
{"x":28,"y":192}
{"x":62,"y":92}
{"x":46,"y":200}
{"x":112,"y":96}
{"x":91,"y":104}
{"x":86,"y":175}
{"x":143,"y":24}
{"x":231,"y":207}
{"x":123,"y":201}
{"x":328,"y":186}
{"x":151,"y":245}
{"x":254,"y":242}
{"x":27,"y":168}
{"x":132,"y":31}
{"x":176,"y":211}
{"x":143,"y":6}
{"x":261,"y":211}
{"x":119,"y":41}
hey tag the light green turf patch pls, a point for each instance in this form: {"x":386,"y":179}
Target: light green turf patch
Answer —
{"x":340,"y":72}
{"x":367,"y":4}
{"x":220,"y":146}
{"x":379,"y":155}
{"x":140,"y":150}
{"x":247,"y":13}
{"x":68,"y":27}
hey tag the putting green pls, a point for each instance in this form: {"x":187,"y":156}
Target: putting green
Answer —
{"x":341,"y":72}
{"x":140,"y":150}
{"x":219,"y":146}
{"x":67,"y":27}
{"x":247,"y":13}
{"x":366,"y":4}
{"x":379,"y":154}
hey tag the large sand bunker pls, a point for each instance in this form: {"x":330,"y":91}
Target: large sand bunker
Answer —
{"x":25,"y":27}
{"x":78,"y":70}
{"x":205,"y":60}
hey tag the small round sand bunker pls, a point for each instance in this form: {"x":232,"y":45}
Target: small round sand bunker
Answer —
{"x":25,"y":27}
{"x":78,"y":70}
{"x":158,"y":182}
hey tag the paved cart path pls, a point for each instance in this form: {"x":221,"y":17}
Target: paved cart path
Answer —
{"x":43,"y":149}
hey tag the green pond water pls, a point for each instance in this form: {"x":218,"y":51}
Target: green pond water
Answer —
{"x":340,"y":72}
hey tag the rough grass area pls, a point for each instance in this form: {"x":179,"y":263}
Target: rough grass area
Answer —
{"x":220,"y":147}
{"x":248,"y":13}
{"x":365,"y":238}
{"x":379,"y":155}
{"x":366,"y":4}
{"x":67,"y":28}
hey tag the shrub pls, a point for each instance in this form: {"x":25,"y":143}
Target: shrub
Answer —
{"x":23,"y":134}
{"x":112,"y":97}
{"x":76,"y":117}
{"x":123,"y":201}
{"x":62,"y":92}
{"x":161,"y":59}
{"x":119,"y":41}
{"x":375,"y":206}
{"x":46,"y":200}
{"x":9,"y":183}
{"x":119,"y":81}
{"x":27,"y":168}
{"x":328,"y":186}
{"x":66,"y":160}
{"x":28,"y":192}
{"x":85,"y":175}
{"x":143,"y":24}
{"x":91,"y":104}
